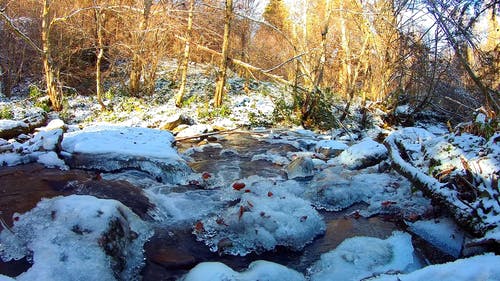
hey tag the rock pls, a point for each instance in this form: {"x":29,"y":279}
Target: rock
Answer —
{"x":80,"y":238}
{"x":172,"y":258}
{"x":5,"y":146}
{"x":174,"y":121}
{"x":363,"y":154}
{"x":300,"y":167}
{"x":55,"y":124}
{"x":193,"y":131}
{"x":11,"y":128}
{"x":115,"y":148}
{"x":330,"y":148}
{"x":36,"y":119}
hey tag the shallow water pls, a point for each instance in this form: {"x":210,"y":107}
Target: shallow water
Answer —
{"x":172,"y":252}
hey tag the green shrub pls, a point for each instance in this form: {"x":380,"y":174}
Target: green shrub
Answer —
{"x":6,"y":113}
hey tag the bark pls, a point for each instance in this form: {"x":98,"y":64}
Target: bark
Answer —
{"x":137,"y":58}
{"x":185,"y":57}
{"x":100,"y":54}
{"x":51,"y":72}
{"x":221,"y":79}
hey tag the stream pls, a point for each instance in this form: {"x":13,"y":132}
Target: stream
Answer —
{"x":172,"y":251}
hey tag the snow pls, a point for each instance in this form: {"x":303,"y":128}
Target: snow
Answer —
{"x":6,"y":124}
{"x":51,"y":160}
{"x":363,"y":154}
{"x":257,"y":270}
{"x":361,"y":257}
{"x":264,"y":216}
{"x":443,"y":233}
{"x":77,"y":238}
{"x":112,"y":148}
{"x":478,"y":268}
{"x":331,"y":146}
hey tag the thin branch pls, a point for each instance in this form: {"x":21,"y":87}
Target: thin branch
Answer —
{"x":17,"y":31}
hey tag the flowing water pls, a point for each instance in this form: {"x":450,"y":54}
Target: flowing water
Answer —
{"x":172,"y":252}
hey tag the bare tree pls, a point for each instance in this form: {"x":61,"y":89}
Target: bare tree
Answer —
{"x":221,"y":79}
{"x":185,"y":57}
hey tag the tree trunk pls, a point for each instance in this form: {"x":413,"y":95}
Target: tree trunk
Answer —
{"x":51,"y":72}
{"x":185,"y":58}
{"x":137,"y":58}
{"x":221,"y":80}
{"x":100,"y":54}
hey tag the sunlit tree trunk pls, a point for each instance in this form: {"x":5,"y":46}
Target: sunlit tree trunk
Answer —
{"x":137,"y":59}
{"x":99,"y":15}
{"x":221,"y":79}
{"x":51,"y":73}
{"x":185,"y":57}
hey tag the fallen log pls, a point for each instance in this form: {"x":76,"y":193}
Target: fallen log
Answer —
{"x":440,"y":193}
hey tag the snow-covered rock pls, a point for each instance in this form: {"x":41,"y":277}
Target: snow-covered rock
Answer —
{"x":194,"y":130}
{"x":443,"y":233}
{"x":478,"y":268}
{"x":330,"y":148}
{"x":40,"y":148}
{"x":12,"y":128}
{"x":361,"y":257}
{"x":363,"y":154}
{"x":5,"y":146}
{"x":257,"y":270}
{"x":113,"y":148}
{"x":77,"y":238}
{"x":300,"y":167}
{"x":264,"y":216}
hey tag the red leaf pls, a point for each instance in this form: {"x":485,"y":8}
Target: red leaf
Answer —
{"x":270,"y":194}
{"x":387,"y":203}
{"x":242,"y":210}
{"x":206,"y":175}
{"x":199,"y":226}
{"x":238,"y":185}
{"x":247,"y":191}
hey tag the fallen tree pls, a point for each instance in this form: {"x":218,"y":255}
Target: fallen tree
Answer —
{"x":472,"y":215}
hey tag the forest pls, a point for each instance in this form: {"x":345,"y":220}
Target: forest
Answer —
{"x":437,"y":55}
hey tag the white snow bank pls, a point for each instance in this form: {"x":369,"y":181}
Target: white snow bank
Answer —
{"x":478,"y":268}
{"x":363,"y":154}
{"x":112,"y":148}
{"x":263,"y":215}
{"x":6,"y":124}
{"x":361,"y":257}
{"x":257,"y":270}
{"x":77,"y":238}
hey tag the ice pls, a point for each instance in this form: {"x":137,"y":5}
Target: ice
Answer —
{"x":113,"y":148}
{"x":334,"y":189}
{"x":363,"y":154}
{"x":186,"y":207}
{"x":274,"y":158}
{"x":330,"y":147}
{"x":361,"y":257}
{"x":478,"y":268}
{"x":442,"y":233}
{"x":257,"y":270}
{"x":51,"y":160}
{"x":6,"y":278}
{"x":262,"y":215}
{"x":78,"y":238}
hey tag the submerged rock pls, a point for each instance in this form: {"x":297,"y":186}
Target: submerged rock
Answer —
{"x":115,"y":148}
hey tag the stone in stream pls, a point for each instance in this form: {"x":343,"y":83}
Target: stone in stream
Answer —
{"x":78,"y":237}
{"x":300,"y":167}
{"x":363,"y":154}
{"x":115,"y":148}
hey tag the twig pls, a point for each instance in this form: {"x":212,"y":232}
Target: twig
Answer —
{"x":207,"y":135}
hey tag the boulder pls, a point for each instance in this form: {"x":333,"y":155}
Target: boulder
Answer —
{"x":363,"y":154}
{"x":300,"y":167}
{"x":115,"y":148}
{"x":12,"y":128}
